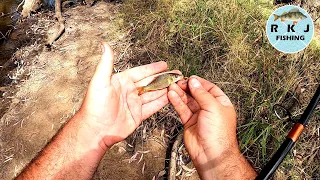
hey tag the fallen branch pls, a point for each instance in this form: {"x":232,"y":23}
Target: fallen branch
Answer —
{"x":17,"y":9}
{"x":28,"y":7}
{"x":173,"y":159}
{"x":60,"y":19}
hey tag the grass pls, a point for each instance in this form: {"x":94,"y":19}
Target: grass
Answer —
{"x":225,"y":42}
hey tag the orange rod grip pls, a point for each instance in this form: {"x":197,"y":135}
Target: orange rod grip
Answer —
{"x":295,"y":132}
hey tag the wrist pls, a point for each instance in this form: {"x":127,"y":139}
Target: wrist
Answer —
{"x":218,"y":151}
{"x":216,"y":165}
{"x":103,"y":131}
{"x":88,"y":135}
{"x":230,"y":164}
{"x":214,"y":157}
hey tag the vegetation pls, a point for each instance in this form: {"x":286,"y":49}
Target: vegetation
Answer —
{"x":225,"y":42}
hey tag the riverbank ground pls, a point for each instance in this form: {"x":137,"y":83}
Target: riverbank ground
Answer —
{"x":223,"y":42}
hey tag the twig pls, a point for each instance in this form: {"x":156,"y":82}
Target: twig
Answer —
{"x":17,"y":9}
{"x":13,"y":12}
{"x":3,"y":36}
{"x":60,"y":19}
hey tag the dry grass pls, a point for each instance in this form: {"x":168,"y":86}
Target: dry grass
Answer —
{"x":225,"y":42}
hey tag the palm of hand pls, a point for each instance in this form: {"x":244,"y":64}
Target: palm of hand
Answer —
{"x":204,"y":132}
{"x":117,"y":108}
{"x":112,"y":103}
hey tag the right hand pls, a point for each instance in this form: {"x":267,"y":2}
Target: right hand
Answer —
{"x":209,"y":120}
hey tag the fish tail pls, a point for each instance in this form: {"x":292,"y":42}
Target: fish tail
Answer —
{"x":141,"y":90}
{"x":275,"y":17}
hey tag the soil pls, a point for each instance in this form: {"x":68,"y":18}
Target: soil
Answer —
{"x":41,"y":89}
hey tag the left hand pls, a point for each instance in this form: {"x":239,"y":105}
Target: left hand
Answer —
{"x":112,"y":108}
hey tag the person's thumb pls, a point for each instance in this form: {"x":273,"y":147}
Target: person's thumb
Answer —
{"x":102,"y":76}
{"x":205,"y":100}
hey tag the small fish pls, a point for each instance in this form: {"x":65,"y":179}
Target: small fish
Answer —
{"x":160,"y":82}
{"x":293,"y":15}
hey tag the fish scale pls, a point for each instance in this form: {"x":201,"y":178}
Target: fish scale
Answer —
{"x":160,"y":82}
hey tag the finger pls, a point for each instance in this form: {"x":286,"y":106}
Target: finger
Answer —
{"x":144,"y":71}
{"x":152,"y":107}
{"x":179,"y":91}
{"x":183,"y":84}
{"x":215,"y":91}
{"x":153,"y":95}
{"x":205,"y":100}
{"x":187,"y":99}
{"x":102,"y":76}
{"x":181,"y":108}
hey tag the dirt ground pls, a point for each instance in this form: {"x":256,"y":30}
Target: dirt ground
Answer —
{"x":47,"y":86}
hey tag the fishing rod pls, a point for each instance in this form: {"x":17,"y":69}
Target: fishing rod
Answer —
{"x":292,"y":137}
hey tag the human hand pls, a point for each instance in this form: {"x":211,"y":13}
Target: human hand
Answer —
{"x":208,"y":117}
{"x":112,"y":108}
{"x":209,"y":121}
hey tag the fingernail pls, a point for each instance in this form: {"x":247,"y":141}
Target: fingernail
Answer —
{"x":102,"y":48}
{"x":195,"y":83}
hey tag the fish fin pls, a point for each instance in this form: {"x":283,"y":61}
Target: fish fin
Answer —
{"x":275,"y":17}
{"x":283,"y":13}
{"x":295,"y":22}
{"x":140,"y":90}
{"x":282,"y":19}
{"x":294,"y":10}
